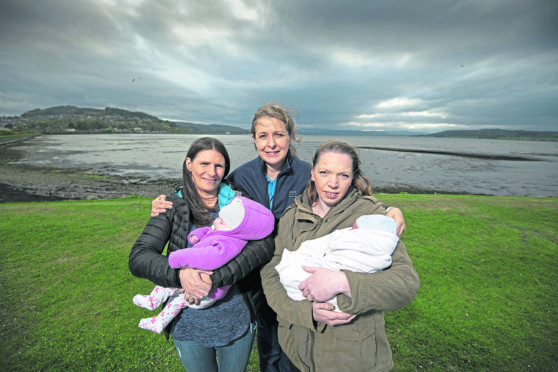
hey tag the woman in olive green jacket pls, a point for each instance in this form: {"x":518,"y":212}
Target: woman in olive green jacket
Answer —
{"x":315,"y":337}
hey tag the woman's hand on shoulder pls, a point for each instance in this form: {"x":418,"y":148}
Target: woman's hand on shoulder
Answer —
{"x":323,"y":312}
{"x":397,"y":215}
{"x":160,"y":205}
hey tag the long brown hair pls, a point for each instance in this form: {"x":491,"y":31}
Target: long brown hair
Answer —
{"x":360,"y":181}
{"x":197,"y":207}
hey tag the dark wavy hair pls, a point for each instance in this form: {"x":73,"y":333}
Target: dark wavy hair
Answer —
{"x":360,"y":181}
{"x":197,"y":207}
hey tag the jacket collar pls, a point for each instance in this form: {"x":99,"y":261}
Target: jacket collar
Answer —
{"x":350,"y":197}
{"x":286,"y":166}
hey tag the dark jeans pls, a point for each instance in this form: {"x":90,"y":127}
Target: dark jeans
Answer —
{"x":232,"y":357}
{"x":272,"y":358}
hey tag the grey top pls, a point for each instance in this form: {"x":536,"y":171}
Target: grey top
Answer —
{"x":217,"y":325}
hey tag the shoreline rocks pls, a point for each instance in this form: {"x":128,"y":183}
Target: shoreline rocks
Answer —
{"x":23,"y":183}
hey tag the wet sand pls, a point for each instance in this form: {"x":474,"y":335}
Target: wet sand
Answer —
{"x":24,"y":183}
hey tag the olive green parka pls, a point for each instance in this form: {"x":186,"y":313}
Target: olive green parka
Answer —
{"x":362,"y":344}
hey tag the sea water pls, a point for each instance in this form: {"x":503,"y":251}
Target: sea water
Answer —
{"x":161,"y":156}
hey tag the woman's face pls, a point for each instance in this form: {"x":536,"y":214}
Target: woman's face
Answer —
{"x":272,"y":141}
{"x":332,"y":175}
{"x":208,"y":169}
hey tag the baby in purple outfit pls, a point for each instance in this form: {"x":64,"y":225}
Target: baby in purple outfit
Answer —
{"x":213,"y":246}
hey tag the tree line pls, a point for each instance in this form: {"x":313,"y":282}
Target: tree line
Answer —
{"x":71,"y":119}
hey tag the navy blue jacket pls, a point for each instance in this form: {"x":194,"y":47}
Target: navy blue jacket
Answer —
{"x":291,"y":181}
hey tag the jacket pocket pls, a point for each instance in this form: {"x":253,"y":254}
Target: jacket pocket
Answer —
{"x":355,"y":346}
{"x":285,"y":335}
{"x":356,"y":331}
{"x":296,"y":343}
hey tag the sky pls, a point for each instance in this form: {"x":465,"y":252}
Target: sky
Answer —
{"x":407,"y":65}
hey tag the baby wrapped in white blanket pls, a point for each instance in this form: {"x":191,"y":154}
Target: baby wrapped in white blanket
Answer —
{"x":366,"y":247}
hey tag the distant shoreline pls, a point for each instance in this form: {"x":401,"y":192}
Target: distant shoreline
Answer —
{"x":24,"y":183}
{"x":454,"y":153}
{"x":112,"y":120}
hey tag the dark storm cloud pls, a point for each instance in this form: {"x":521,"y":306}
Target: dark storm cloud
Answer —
{"x":425,"y":66}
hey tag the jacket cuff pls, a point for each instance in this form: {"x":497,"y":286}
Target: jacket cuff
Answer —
{"x":177,"y":271}
{"x":345,"y":303}
{"x":305,"y":314}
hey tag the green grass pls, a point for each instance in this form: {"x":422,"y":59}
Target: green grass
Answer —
{"x":6,"y":134}
{"x":487,"y":300}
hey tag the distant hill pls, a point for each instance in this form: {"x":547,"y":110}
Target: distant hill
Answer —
{"x":498,"y":134}
{"x":71,"y":119}
{"x":79,"y":111}
{"x":213,"y":128}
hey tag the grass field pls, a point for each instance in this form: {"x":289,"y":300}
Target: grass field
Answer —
{"x":487,"y":300}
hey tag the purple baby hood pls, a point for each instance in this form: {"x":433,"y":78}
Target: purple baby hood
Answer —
{"x":258,"y":221}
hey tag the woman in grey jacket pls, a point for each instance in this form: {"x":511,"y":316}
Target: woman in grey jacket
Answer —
{"x":311,"y":333}
{"x":225,"y":330}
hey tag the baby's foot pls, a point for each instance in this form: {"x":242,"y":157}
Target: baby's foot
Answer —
{"x":147,"y":302}
{"x":151,"y":324}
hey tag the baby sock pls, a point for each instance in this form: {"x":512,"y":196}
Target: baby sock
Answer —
{"x":159,"y":322}
{"x":152,"y":324}
{"x":155,"y":299}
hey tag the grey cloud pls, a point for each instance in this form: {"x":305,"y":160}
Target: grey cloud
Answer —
{"x":479,"y":63}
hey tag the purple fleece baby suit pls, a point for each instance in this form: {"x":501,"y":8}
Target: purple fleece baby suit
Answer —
{"x":216,"y":248}
{"x":213,"y":249}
